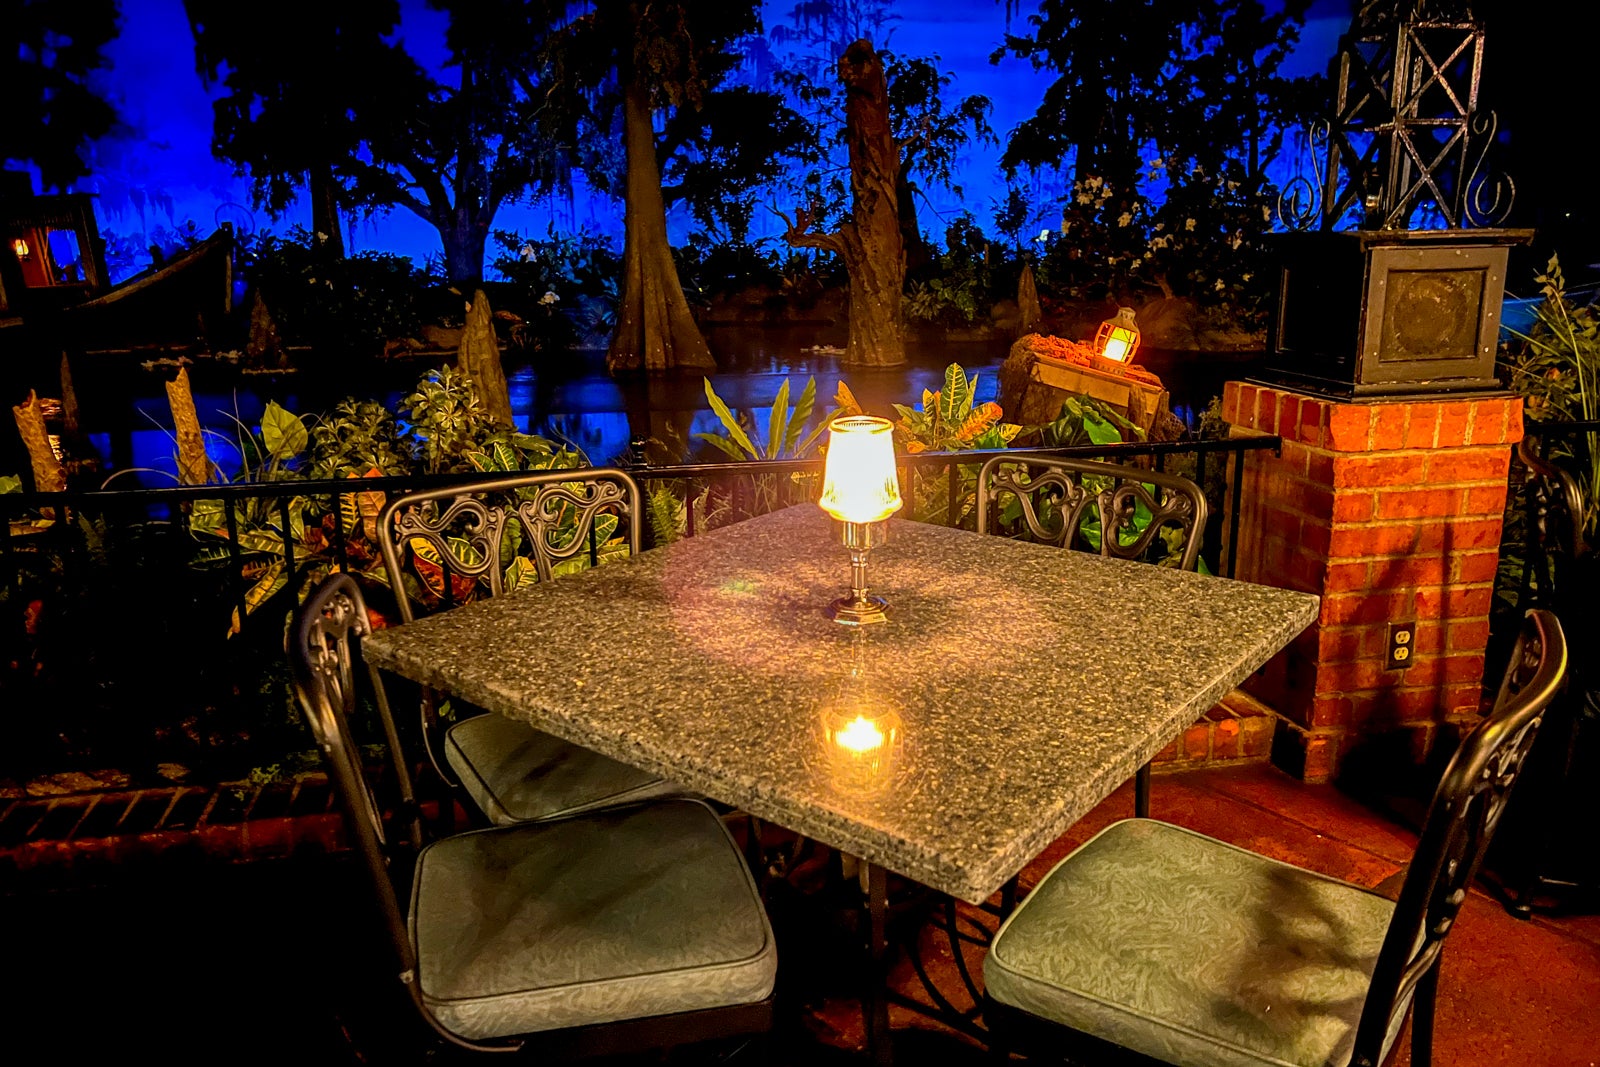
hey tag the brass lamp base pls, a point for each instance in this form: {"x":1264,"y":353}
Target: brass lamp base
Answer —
{"x":859,"y":608}
{"x":862,"y":611}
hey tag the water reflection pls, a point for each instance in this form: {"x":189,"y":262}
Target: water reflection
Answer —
{"x":571,"y":397}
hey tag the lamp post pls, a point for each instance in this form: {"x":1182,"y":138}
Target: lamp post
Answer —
{"x":861,"y":489}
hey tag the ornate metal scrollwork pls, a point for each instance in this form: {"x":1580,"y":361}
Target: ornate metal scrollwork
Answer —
{"x":559,"y":518}
{"x":1300,"y":199}
{"x":1502,"y":189}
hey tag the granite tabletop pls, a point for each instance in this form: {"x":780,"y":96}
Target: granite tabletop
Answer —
{"x":1012,"y":689}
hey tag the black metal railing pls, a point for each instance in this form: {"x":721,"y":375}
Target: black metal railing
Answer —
{"x":123,"y":598}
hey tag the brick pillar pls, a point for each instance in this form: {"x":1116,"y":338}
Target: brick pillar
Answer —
{"x":1391,"y":512}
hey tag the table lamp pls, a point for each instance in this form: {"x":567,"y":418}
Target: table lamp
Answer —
{"x":860,"y":488}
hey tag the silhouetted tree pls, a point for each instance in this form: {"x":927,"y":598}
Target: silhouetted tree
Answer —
{"x":48,"y":49}
{"x":321,"y":93}
{"x":667,"y":60}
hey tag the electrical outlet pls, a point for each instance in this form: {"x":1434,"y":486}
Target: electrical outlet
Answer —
{"x":1402,"y":638}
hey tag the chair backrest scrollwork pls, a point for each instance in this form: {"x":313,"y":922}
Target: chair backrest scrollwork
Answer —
{"x":1055,"y":494}
{"x":1461,"y":821}
{"x":477,"y":531}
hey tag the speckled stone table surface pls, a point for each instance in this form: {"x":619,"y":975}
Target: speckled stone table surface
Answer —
{"x":1016,"y":685}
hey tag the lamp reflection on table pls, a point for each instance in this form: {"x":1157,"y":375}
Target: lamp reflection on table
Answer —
{"x":863,"y":735}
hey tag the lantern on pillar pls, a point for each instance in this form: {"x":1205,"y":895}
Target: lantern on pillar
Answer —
{"x":1117,"y":341}
{"x":20,"y":247}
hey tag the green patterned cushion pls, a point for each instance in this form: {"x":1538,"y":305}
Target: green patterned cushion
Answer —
{"x":1192,"y":951}
{"x":515,"y":773}
{"x":622,"y":914}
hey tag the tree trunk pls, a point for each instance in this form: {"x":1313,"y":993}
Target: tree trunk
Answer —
{"x":464,"y":235}
{"x":1028,"y":312}
{"x":325,"y":218}
{"x":479,"y":358}
{"x":48,"y":475}
{"x":917,"y":250}
{"x":873,"y":250}
{"x":655,"y":330}
{"x":194,"y":466}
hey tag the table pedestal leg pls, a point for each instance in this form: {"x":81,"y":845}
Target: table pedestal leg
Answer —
{"x":875,"y":998}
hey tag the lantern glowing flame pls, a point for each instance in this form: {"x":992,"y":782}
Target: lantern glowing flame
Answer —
{"x":20,"y":247}
{"x":1118,"y":338}
{"x":859,"y":482}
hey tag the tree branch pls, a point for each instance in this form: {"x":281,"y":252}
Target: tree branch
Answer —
{"x":797,"y":234}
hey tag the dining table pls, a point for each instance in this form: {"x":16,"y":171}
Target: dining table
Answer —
{"x":1011,"y":689}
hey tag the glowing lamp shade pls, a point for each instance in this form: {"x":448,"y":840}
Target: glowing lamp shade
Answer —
{"x":859,"y":483}
{"x":1118,"y":338}
{"x":20,"y":247}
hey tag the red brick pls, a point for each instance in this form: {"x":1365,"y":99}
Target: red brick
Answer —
{"x":1255,"y":736}
{"x":1514,"y":422}
{"x":1330,"y":710}
{"x":1488,"y":422}
{"x":1418,"y":503}
{"x":1225,"y":740}
{"x":1288,"y":420}
{"x":1321,"y":759}
{"x":1313,"y":422}
{"x":1471,"y":635}
{"x":1230,"y":400}
{"x":1428,"y":640}
{"x":1363,"y":607}
{"x":1306,"y":572}
{"x":1344,"y":678}
{"x":1454,"y":418}
{"x":1462,"y":697}
{"x":1422,"y":426}
{"x":1336,"y":644}
{"x":1464,"y":602}
{"x":1473,"y":533}
{"x":1345,"y":578}
{"x":1352,"y":506}
{"x":1319,"y":466}
{"x":1349,"y":427}
{"x":1407,"y":705}
{"x":1350,"y":542}
{"x":1468,"y":465}
{"x":1197,"y":741}
{"x":1389,"y":429}
{"x":1485,"y":500}
{"x":1408,"y":572}
{"x":1307,"y":498}
{"x":1371,"y":472}
{"x":1315,"y":537}
{"x":1169,"y":753}
{"x":1477,"y":567}
{"x":1463,"y":668}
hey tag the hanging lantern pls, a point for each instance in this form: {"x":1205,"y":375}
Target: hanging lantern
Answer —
{"x":1118,"y":339}
{"x":20,"y":247}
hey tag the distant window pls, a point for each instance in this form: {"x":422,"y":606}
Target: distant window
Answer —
{"x":65,"y":255}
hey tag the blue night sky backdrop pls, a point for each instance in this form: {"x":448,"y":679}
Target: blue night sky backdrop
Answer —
{"x":158,"y":171}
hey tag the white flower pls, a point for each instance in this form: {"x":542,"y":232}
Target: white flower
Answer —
{"x":1232,"y":186}
{"x":1188,"y":224}
{"x":1219,"y":286}
{"x":1095,"y":182}
{"x":527,"y":252}
{"x":1084,"y":198}
{"x":549,"y":297}
{"x":1245,"y":277}
{"x":1044,"y":235}
{"x":1158,"y":163}
{"x":321,"y":237}
{"x":1266,"y":213}
{"x":1124,"y":218}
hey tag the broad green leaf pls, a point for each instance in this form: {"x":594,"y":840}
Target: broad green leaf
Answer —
{"x":207,"y":516}
{"x":521,"y":571}
{"x":955,"y":399}
{"x":735,"y":431}
{"x":1100,"y":431}
{"x":505,"y":459}
{"x":778,"y":420}
{"x":802,"y":414}
{"x":10,"y":483}
{"x":669,"y":516}
{"x":722,"y":444}
{"x":283,"y":434}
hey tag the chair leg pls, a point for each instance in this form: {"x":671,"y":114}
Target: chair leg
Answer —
{"x":1141,"y":793}
{"x":1422,"y":1005}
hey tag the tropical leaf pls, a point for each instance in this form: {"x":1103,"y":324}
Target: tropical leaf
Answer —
{"x":727,"y":419}
{"x":845,"y":401}
{"x":669,"y":516}
{"x":723,"y":445}
{"x":519,"y":572}
{"x":208,"y":516}
{"x":982,"y":417}
{"x":955,"y":399}
{"x":802,"y":414}
{"x":268,"y":581}
{"x":283,"y":434}
{"x":777,"y":421}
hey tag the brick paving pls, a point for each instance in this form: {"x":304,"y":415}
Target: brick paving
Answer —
{"x":138,"y":927}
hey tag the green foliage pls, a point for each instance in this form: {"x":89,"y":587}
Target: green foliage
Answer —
{"x":562,"y":287}
{"x":948,"y":421}
{"x":347,"y":305}
{"x":786,"y":437}
{"x":1086,"y":421}
{"x":356,"y":438}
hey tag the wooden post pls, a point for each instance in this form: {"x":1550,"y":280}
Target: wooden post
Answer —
{"x":479,"y":359}
{"x":48,"y":475}
{"x":194,"y":466}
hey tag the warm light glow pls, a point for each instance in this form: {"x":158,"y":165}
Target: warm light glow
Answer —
{"x":859,"y":482}
{"x":20,"y":247}
{"x":859,"y":736}
{"x":1118,"y":338}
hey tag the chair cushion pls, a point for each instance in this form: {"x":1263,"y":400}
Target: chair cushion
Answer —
{"x":1192,"y":951}
{"x":514,"y":773}
{"x":621,"y":914}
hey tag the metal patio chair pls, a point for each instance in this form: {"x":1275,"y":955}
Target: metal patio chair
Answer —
{"x":1056,"y":496}
{"x":611,"y":932}
{"x":498,"y":533}
{"x":1155,"y":944}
